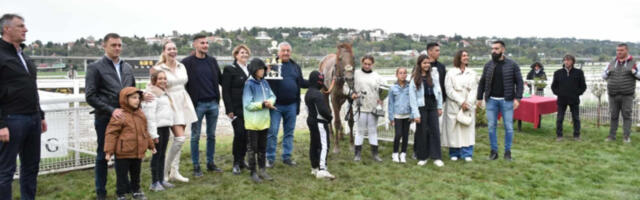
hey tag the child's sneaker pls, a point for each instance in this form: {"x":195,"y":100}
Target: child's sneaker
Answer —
{"x":139,"y":196}
{"x":454,"y":158}
{"x":122,"y":197}
{"x":395,"y":158}
{"x":314,"y":171}
{"x":156,"y":187}
{"x":403,"y":157}
{"x":468,"y":159}
{"x":324,"y":174}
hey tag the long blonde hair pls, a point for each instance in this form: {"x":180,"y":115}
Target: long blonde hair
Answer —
{"x":163,"y":59}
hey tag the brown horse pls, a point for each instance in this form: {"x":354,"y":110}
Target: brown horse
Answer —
{"x":338,"y":70}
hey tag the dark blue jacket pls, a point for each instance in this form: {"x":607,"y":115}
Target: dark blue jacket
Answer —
{"x":193,"y":89}
{"x":287,"y":93}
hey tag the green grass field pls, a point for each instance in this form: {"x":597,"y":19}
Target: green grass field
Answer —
{"x":542,"y":169}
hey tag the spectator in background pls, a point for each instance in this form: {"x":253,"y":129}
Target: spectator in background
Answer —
{"x":568,"y":84}
{"x":621,"y":75}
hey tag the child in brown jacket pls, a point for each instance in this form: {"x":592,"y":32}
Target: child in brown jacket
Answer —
{"x":127,"y":137}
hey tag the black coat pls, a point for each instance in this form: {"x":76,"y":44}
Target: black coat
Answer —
{"x":233,"y":80}
{"x":532,"y":75}
{"x":442,"y":72}
{"x":18,"y":89}
{"x":102,"y":85}
{"x":568,"y":87}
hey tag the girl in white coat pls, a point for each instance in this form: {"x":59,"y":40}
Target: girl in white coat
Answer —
{"x":159,"y":113}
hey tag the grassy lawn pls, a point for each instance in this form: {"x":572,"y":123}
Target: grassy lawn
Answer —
{"x":542,"y":169}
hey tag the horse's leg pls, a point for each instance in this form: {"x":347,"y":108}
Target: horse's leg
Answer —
{"x":336,"y":123}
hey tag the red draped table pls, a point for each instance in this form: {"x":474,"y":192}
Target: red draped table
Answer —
{"x":531,"y":110}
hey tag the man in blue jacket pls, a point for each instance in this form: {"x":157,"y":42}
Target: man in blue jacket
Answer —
{"x":287,"y":93}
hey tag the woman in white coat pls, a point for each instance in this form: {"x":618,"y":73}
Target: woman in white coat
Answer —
{"x":459,"y":119}
{"x":184,"y":112}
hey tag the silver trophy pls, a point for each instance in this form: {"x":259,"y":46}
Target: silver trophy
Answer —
{"x":274,"y":64}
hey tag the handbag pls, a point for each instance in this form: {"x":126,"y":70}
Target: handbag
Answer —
{"x":464,"y":118}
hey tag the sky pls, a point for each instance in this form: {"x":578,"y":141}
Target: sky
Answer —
{"x":68,"y":20}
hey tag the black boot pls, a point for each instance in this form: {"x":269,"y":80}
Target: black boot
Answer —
{"x":254,"y":177}
{"x":357,"y":156}
{"x":374,"y":153}
{"x":507,"y":155}
{"x":493,"y":155}
{"x":197,"y":172}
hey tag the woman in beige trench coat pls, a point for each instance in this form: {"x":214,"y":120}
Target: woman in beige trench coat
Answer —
{"x":459,"y":119}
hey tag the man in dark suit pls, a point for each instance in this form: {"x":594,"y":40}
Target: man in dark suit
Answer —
{"x":103,"y":82}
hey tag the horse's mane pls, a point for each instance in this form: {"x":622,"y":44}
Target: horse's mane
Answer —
{"x":346,"y":46}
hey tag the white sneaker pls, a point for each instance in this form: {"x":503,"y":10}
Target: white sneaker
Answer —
{"x":422,"y":162}
{"x":314,"y":171}
{"x":454,"y":158}
{"x":438,"y":163}
{"x":468,"y":159}
{"x":175,"y":176}
{"x":324,"y":174}
{"x":403,"y":157}
{"x":394,"y":157}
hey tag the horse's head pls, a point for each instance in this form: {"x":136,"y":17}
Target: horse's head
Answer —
{"x":345,"y":62}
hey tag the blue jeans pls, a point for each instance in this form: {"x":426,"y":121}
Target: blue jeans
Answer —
{"x":288,"y":113}
{"x":24,"y":140}
{"x":462,"y":152}
{"x":209,"y":110}
{"x":100,"y":168}
{"x":506,"y":108}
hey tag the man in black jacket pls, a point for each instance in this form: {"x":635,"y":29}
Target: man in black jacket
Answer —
{"x":21,"y":118}
{"x":103,"y":82}
{"x":568,"y":84}
{"x":501,"y":88}
{"x":318,"y":121}
{"x":233,"y":80}
{"x":433,"y":50}
{"x":204,"y":79}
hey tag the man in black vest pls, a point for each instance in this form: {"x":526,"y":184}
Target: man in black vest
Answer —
{"x":621,"y":75}
{"x":103,"y":82}
{"x":501,"y":88}
{"x":21,"y":118}
{"x":568,"y":84}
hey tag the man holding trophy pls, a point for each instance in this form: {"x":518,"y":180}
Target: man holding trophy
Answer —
{"x":285,"y":79}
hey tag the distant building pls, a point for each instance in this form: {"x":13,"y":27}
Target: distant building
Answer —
{"x":305,"y":34}
{"x":378,"y":35}
{"x":353,"y":35}
{"x":284,"y":35}
{"x":319,"y":37}
{"x":262,"y":35}
{"x":153,"y":40}
{"x":416,"y":37}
